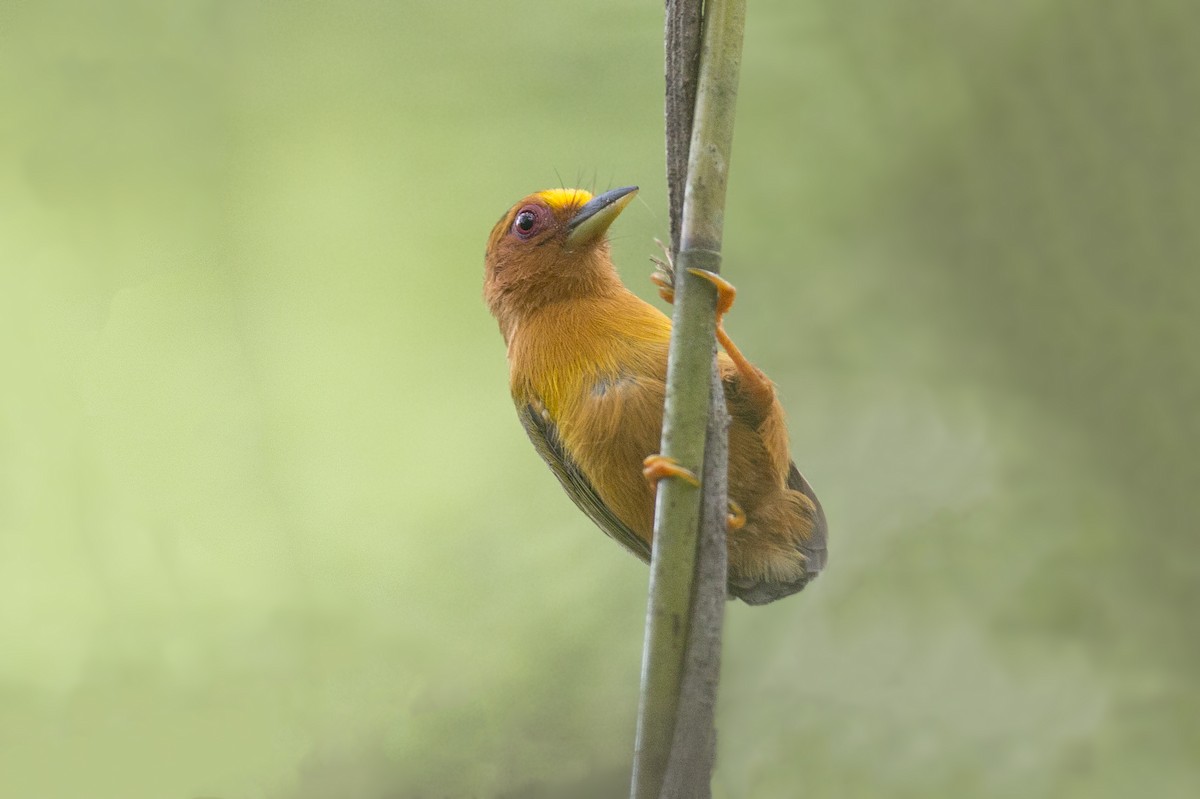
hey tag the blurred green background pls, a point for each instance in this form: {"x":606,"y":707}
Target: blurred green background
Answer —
{"x":269,"y":526}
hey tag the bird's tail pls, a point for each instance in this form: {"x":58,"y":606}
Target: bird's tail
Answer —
{"x":812,"y":546}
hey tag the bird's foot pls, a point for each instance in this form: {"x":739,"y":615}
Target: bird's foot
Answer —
{"x":736,"y":519}
{"x":664,"y":273}
{"x":656,"y":467}
{"x":664,"y":277}
{"x":725,"y":290}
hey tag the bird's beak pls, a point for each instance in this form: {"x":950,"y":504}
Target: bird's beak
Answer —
{"x":590,"y":222}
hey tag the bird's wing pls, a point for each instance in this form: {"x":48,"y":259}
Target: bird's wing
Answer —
{"x":815,"y":547}
{"x":544,"y":435}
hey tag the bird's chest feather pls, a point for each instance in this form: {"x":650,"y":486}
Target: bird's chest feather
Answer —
{"x":608,"y":426}
{"x":580,"y":365}
{"x":599,"y":413}
{"x":612,"y":411}
{"x":605,"y":404}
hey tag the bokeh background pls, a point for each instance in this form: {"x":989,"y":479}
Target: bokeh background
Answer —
{"x":269,"y":527}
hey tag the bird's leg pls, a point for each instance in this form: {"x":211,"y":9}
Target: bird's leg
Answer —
{"x":755,"y":384}
{"x":663,"y":275}
{"x":656,"y":467}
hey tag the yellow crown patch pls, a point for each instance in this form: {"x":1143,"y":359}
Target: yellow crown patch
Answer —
{"x":559,"y":199}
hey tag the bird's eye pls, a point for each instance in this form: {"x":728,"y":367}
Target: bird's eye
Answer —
{"x":526,"y":223}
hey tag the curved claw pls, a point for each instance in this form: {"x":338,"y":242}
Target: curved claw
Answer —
{"x":666,"y":289}
{"x":737,"y":517}
{"x":656,"y":467}
{"x":664,"y":274}
{"x":725,"y":290}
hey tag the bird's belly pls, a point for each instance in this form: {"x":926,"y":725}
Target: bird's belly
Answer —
{"x":611,"y":427}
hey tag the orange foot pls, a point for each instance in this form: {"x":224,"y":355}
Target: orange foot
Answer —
{"x":736,"y":519}
{"x":666,"y":288}
{"x":664,"y":274}
{"x":725,"y":290}
{"x":656,"y":467}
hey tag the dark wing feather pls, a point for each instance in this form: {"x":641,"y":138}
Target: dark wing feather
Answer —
{"x":815,"y":548}
{"x":544,"y":435}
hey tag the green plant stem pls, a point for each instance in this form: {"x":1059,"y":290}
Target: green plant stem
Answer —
{"x":692,"y":392}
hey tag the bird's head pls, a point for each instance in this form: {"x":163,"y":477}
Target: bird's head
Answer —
{"x":551,"y":247}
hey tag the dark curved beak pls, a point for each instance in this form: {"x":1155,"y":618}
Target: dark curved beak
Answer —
{"x":590,"y":221}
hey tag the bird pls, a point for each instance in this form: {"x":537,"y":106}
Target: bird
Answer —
{"x":587,"y":373}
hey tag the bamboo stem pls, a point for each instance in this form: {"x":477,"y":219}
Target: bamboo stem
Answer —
{"x":692,"y":392}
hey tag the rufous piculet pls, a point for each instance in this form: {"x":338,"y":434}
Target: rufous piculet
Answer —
{"x":587,"y":371}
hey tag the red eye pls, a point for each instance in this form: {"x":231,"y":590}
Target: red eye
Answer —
{"x":526,"y":223}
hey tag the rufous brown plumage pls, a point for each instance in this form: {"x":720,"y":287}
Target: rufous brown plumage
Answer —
{"x":588,"y":362}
